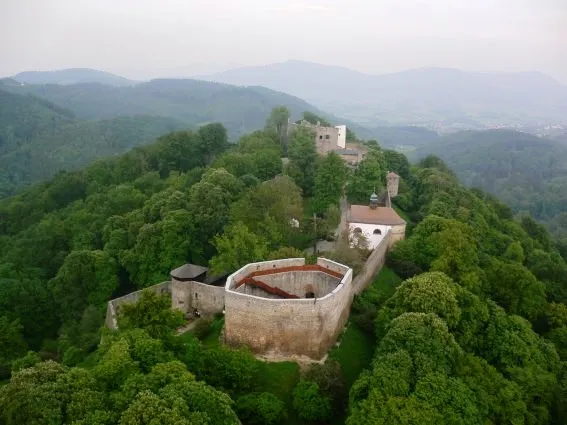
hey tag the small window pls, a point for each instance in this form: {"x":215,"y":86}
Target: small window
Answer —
{"x":327,"y":137}
{"x":321,"y":137}
{"x":357,"y":230}
{"x":377,"y":232}
{"x":196,"y":296}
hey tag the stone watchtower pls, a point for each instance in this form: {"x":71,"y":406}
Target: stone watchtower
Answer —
{"x":393,"y":183}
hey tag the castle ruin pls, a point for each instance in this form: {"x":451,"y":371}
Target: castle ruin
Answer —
{"x":287,"y":307}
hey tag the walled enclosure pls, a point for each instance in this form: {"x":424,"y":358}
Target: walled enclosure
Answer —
{"x":288,"y":326}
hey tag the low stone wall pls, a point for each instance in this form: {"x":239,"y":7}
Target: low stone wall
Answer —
{"x":287,"y":327}
{"x":373,"y":264}
{"x":113,"y":306}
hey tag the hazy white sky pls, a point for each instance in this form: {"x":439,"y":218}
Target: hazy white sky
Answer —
{"x":151,"y":38}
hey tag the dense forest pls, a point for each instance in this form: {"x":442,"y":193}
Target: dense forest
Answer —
{"x":240,"y":109}
{"x":49,"y":128}
{"x":526,"y":172}
{"x":38,"y":139}
{"x":470,"y":327}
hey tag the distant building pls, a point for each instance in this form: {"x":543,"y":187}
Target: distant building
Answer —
{"x":341,"y":137}
{"x":351,"y":156}
{"x":393,"y":183}
{"x":327,"y":139}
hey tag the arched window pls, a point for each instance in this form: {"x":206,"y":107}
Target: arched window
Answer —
{"x":377,"y":232}
{"x":357,"y":230}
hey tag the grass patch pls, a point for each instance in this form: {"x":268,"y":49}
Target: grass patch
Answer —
{"x":386,"y":283}
{"x":213,"y":337}
{"x":280,"y":379}
{"x":354,"y":353}
{"x":210,"y":338}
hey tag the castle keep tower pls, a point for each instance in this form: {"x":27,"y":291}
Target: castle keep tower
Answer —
{"x":393,"y":183}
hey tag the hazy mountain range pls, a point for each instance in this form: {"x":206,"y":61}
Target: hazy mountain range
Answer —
{"x":433,"y":97}
{"x":72,"y":76}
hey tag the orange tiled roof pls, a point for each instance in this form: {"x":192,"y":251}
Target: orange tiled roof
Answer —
{"x":379,"y":215}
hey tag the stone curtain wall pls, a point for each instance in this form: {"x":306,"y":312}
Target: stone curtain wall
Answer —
{"x":287,"y":327}
{"x":208,"y":299}
{"x":373,"y":264}
{"x":113,"y":306}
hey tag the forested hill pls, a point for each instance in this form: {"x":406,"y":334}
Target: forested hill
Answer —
{"x":528,"y":173}
{"x":475,"y":334}
{"x":47,"y":128}
{"x":38,"y":138}
{"x":193,"y":102}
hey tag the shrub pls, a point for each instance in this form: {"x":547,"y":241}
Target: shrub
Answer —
{"x":260,"y":409}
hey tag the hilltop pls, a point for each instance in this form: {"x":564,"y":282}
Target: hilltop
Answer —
{"x":465,"y":325}
{"x":72,"y":76}
{"x":193,"y":102}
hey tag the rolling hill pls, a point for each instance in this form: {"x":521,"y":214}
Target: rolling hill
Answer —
{"x":47,"y":128}
{"x":435,"y":97}
{"x":72,"y":76}
{"x":194,"y":102}
{"x":528,"y":173}
{"x":38,"y":138}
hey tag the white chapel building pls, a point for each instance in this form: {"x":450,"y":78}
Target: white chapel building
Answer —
{"x":374,"y":221}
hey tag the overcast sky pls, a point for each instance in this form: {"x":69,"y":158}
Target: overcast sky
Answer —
{"x":150,"y":38}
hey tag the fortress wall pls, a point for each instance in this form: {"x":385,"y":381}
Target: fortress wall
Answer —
{"x":373,"y":264}
{"x":255,"y":291}
{"x":398,"y":233}
{"x":266,"y":265}
{"x":288,"y":327}
{"x":300,"y":283}
{"x":208,"y":299}
{"x":187,"y":296}
{"x":113,"y":306}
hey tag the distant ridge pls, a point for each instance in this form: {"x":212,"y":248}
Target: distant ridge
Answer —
{"x":444,"y":97}
{"x":72,"y":76}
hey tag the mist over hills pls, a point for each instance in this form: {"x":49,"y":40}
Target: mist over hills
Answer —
{"x":435,"y":97}
{"x":72,"y":76}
